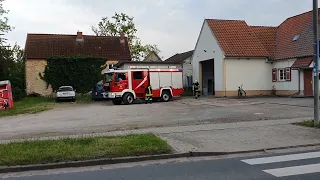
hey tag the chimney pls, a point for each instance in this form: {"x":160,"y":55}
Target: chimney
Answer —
{"x":79,"y":36}
{"x":122,"y":41}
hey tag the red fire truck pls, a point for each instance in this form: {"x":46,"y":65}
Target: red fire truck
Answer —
{"x":127,"y":85}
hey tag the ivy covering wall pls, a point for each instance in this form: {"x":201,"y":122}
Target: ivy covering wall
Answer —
{"x":77,"y":71}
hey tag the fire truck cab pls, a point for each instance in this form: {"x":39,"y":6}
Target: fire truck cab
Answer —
{"x":124,"y":86}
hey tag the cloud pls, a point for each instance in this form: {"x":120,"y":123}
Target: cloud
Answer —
{"x":173,"y":25}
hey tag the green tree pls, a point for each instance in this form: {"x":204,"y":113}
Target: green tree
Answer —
{"x":121,"y":22}
{"x":13,"y":69}
{"x":4,"y":26}
{"x":11,"y":59}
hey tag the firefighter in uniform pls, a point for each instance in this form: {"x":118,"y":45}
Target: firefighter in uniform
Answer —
{"x":196,"y":91}
{"x":148,"y":92}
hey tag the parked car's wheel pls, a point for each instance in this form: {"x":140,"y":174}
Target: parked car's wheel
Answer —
{"x":116,"y":101}
{"x":73,"y":100}
{"x":165,"y":96}
{"x":128,"y":98}
{"x":57,"y":100}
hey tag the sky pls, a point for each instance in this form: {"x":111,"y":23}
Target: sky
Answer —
{"x":173,"y":25}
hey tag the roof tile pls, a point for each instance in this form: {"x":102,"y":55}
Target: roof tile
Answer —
{"x":302,"y":62}
{"x":297,"y":25}
{"x":42,"y":46}
{"x":236,"y":38}
{"x":267,"y":36}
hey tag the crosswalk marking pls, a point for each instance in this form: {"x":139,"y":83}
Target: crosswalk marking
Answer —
{"x":295,"y":170}
{"x":274,"y":159}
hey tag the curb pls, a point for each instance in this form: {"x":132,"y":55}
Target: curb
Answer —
{"x":97,"y":162}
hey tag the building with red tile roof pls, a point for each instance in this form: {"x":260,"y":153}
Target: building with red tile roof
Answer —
{"x":229,"y":53}
{"x":39,"y":47}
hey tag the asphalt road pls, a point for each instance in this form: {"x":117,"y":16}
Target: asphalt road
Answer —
{"x":103,"y":117}
{"x":294,"y":166}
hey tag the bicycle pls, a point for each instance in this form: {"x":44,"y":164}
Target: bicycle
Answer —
{"x":241,"y":93}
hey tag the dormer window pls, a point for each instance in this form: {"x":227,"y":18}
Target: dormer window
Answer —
{"x":296,"y":37}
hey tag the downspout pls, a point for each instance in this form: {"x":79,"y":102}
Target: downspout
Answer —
{"x":224,"y":77}
{"x":299,"y":80}
{"x":298,"y":93}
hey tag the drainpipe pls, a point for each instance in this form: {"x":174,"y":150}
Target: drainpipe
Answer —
{"x":299,"y":81}
{"x":297,"y":93}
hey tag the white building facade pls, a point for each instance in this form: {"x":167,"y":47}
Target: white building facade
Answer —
{"x":220,"y":70}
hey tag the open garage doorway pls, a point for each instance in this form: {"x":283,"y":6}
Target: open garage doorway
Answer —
{"x":207,"y":77}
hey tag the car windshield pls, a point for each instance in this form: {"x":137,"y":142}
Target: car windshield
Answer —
{"x":108,"y":77}
{"x":65,"y":89}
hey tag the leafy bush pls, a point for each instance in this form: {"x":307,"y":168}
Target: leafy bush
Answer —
{"x":80,"y":72}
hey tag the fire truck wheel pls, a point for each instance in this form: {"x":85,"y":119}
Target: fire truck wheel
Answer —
{"x":128,"y":98}
{"x":165,"y":96}
{"x":117,"y":101}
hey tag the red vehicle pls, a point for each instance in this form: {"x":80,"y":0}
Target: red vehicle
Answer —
{"x":127,"y":85}
{"x":6,"y":100}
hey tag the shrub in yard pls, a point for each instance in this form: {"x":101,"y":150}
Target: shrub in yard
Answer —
{"x":80,"y":72}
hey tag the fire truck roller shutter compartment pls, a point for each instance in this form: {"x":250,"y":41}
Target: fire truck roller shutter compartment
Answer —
{"x":165,"y":79}
{"x":176,"y":80}
{"x":154,"y":80}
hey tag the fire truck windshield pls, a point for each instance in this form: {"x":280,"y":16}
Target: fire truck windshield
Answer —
{"x":108,"y":77}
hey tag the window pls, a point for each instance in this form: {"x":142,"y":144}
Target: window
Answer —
{"x":121,"y":77}
{"x":296,"y":37}
{"x":137,"y":75}
{"x":282,"y":74}
{"x":189,"y":81}
{"x":66,"y":88}
{"x":285,"y":74}
{"x":108,"y":77}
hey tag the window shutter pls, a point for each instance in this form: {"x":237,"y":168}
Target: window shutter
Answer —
{"x":274,"y":75}
{"x":288,"y":74}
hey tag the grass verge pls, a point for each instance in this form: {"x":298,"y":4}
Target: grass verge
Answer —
{"x":29,"y":105}
{"x":33,"y":105}
{"x":50,"y":151}
{"x":307,"y":123}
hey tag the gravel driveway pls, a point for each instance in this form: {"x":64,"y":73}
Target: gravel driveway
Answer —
{"x":102,"y":117}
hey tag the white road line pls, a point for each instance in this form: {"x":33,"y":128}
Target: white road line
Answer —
{"x":295,"y":170}
{"x":274,"y":159}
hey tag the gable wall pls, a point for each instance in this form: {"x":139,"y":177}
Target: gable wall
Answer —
{"x":34,"y":84}
{"x":208,"y":48}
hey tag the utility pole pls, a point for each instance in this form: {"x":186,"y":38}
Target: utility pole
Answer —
{"x":316,"y":63}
